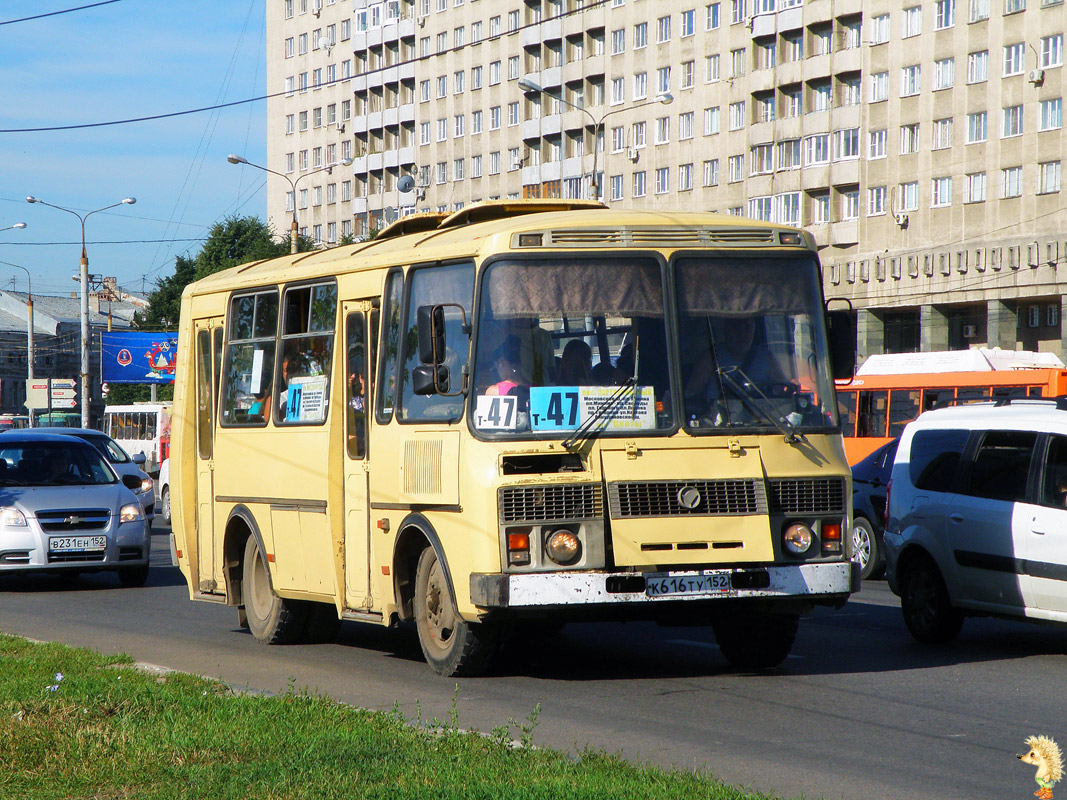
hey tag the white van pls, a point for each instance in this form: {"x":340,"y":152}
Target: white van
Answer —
{"x":977,"y":516}
{"x":141,"y":428}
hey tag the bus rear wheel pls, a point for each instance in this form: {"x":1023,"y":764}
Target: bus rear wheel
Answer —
{"x":271,"y":619}
{"x":755,"y":640}
{"x":451,"y":645}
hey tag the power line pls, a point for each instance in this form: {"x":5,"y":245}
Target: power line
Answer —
{"x":121,"y":241}
{"x":56,"y":13}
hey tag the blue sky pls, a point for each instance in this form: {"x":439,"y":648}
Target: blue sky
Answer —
{"x":131,"y":58}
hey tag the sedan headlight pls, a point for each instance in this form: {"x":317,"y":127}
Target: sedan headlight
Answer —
{"x":146,"y":485}
{"x":131,"y":513}
{"x":11,"y":517}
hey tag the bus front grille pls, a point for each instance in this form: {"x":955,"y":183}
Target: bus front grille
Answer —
{"x":686,"y":498}
{"x":808,"y":496}
{"x":551,"y":502}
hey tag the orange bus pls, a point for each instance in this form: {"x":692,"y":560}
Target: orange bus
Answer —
{"x":874,"y":408}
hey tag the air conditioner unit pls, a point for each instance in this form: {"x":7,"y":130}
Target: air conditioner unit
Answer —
{"x":1036,"y":76}
{"x":422,"y":22}
{"x":420,"y":194}
{"x":516,"y":163}
{"x":633,"y":154}
{"x":901,"y":219}
{"x":340,"y":127}
{"x":970,"y":331}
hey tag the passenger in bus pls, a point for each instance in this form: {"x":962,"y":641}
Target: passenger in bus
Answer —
{"x":740,"y":356}
{"x":259,"y":406}
{"x":507,"y":361}
{"x":576,"y":366}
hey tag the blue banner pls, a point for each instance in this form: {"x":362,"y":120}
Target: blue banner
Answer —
{"x":138,"y":357}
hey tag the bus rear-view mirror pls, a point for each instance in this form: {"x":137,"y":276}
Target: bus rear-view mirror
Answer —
{"x":842,"y":341}
{"x":429,"y":379}
{"x":431,"y":325}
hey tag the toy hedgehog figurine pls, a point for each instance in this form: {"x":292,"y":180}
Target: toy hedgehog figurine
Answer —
{"x":1046,"y":756}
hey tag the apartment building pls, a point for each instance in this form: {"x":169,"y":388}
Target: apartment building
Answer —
{"x":921,"y":141}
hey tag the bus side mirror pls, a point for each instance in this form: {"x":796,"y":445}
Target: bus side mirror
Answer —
{"x":842,"y":341}
{"x":431,"y":325}
{"x":426,"y":380}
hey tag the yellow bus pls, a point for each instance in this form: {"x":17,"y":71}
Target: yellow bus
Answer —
{"x":518,"y":415}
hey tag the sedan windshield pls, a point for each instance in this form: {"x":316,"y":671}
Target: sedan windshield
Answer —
{"x":753,"y":346}
{"x":571,"y":345}
{"x":52,"y":464}
{"x":108,"y":448}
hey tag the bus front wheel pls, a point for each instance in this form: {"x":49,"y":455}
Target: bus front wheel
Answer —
{"x":451,"y":645}
{"x":271,"y":619}
{"x":755,"y":640}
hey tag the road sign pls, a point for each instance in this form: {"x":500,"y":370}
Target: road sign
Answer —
{"x":68,"y":403}
{"x":37,"y":393}
{"x":64,"y":383}
{"x":63,"y":394}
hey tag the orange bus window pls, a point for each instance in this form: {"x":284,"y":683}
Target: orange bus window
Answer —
{"x":871,"y":413}
{"x":903,"y":408}
{"x":973,"y":392}
{"x":846,"y":410}
{"x":931,"y":397}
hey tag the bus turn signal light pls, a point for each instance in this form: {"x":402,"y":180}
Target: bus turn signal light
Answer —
{"x":831,"y":538}
{"x":518,"y":547}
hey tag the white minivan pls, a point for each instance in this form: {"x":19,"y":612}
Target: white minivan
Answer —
{"x":977,"y":520}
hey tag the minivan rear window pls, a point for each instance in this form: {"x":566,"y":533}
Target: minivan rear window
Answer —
{"x":1002,"y":465}
{"x":935,"y":458}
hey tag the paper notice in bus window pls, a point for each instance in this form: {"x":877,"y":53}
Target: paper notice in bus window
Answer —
{"x":257,"y":372}
{"x":496,"y":413}
{"x":566,"y":408}
{"x":306,"y":399}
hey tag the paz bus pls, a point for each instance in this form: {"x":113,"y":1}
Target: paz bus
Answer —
{"x":141,"y":428}
{"x":891,"y":390}
{"x":515,"y":416}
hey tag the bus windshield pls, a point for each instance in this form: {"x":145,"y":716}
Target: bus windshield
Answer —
{"x":753,"y":347}
{"x":581,"y":344}
{"x":569,"y":342}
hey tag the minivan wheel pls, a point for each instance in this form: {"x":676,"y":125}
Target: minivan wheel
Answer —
{"x":925,"y":604}
{"x":866,"y":550}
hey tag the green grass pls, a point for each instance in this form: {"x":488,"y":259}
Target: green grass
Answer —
{"x":107,"y":730}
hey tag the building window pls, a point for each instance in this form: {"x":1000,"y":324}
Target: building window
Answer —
{"x":639,"y":184}
{"x":711,"y":16}
{"x":944,"y":14}
{"x":618,"y":41}
{"x":913,"y":21}
{"x":711,"y":68}
{"x":979,"y":10}
{"x":877,"y":140}
{"x":909,"y":138}
{"x":908,"y":196}
{"x":942,"y":134}
{"x":910,"y":80}
{"x":1052,"y":51}
{"x":663,"y":180}
{"x":977,"y":127}
{"x":640,"y":35}
{"x":817,"y":149}
{"x":737,"y":115}
{"x":711,"y":172}
{"x":711,"y":121}
{"x":1014,"y":59}
{"x":879,"y":87}
{"x":1011,"y":182}
{"x":663,"y":30}
{"x":975,"y":188}
{"x":1051,"y":116}
{"x":875,"y":201}
{"x":942,"y":192}
{"x":847,"y":144}
{"x":735,"y":166}
{"x":762,"y":161}
{"x":1048,"y":179}
{"x":850,"y":204}
{"x":788,"y":154}
{"x":944,"y":73}
{"x":1013,"y":122}
{"x":821,"y":94}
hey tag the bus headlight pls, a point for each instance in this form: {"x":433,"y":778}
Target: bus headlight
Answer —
{"x":563,"y":547}
{"x":797,"y":539}
{"x":11,"y":517}
{"x":130,"y":513}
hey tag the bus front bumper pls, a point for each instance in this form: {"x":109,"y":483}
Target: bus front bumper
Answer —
{"x":815,"y":583}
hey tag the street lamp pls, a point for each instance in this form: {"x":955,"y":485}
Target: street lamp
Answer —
{"x":84,"y":278}
{"x":233,"y":158}
{"x":29,"y":323}
{"x":18,"y":225}
{"x":598,"y":124}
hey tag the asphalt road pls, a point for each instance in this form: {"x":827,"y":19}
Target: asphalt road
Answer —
{"x":858,"y":710}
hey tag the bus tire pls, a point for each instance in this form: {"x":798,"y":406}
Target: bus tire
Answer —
{"x":755,"y":640}
{"x":925,"y":603}
{"x":164,"y":502}
{"x":271,"y":619}
{"x":451,"y":645}
{"x":132,"y":577}
{"x":322,"y":623}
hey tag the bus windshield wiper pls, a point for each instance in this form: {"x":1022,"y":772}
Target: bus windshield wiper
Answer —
{"x":585,"y":431}
{"x":760,"y":406}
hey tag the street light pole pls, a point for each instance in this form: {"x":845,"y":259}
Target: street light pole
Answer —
{"x":233,"y":158}
{"x":86,"y":394}
{"x":598,"y":124}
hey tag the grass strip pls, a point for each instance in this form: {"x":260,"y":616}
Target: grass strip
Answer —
{"x":79,"y":724}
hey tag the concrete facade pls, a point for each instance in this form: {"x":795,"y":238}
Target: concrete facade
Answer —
{"x":920,"y":143}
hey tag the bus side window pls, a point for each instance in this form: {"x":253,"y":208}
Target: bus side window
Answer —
{"x":846,"y":410}
{"x":974,"y":393}
{"x":252,"y":329}
{"x":931,"y":397}
{"x":871,"y":413}
{"x":356,"y":385}
{"x":390,"y":351}
{"x":903,"y":408}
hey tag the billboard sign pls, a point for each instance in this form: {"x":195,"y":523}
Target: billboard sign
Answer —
{"x":138,"y":357}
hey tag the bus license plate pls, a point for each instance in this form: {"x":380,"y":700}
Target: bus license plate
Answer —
{"x":76,"y":544}
{"x":691,"y":584}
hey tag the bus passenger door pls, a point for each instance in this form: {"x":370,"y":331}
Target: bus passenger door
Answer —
{"x":208,"y":335}
{"x":360,"y":342}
